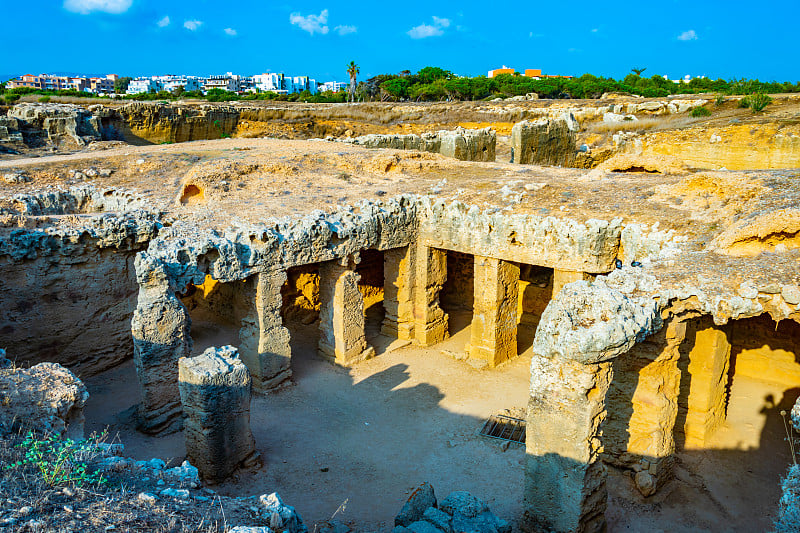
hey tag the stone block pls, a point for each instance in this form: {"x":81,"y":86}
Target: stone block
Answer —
{"x":215,"y":390}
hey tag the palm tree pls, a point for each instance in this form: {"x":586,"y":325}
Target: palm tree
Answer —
{"x":638,"y":71}
{"x":352,"y":70}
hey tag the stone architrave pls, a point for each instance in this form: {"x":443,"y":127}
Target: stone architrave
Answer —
{"x":494,"y":322}
{"x":398,"y":293}
{"x":215,"y":390}
{"x":430,"y":321}
{"x":342,"y":337}
{"x":264,"y":341}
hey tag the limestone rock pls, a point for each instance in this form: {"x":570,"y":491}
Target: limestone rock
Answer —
{"x":422,"y":526}
{"x":774,"y":231}
{"x":413,"y":510}
{"x":463,"y":503}
{"x":646,"y":483}
{"x":462,"y":144}
{"x":546,"y":142}
{"x":215,"y":393}
{"x":438,"y":518}
{"x":593,"y":322}
{"x":46,"y":398}
{"x":282,"y":517}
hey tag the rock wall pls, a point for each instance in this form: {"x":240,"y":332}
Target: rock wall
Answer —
{"x":548,"y":142}
{"x":462,"y":144}
{"x":57,"y":124}
{"x":735,"y":147}
{"x":69,"y":286}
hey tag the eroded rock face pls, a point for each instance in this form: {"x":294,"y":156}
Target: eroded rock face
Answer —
{"x":548,"y":142}
{"x":46,"y":398}
{"x":56,"y":123}
{"x":462,"y":144}
{"x":215,"y":392}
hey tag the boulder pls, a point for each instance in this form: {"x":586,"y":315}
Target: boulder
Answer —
{"x":46,"y":398}
{"x":463,"y":503}
{"x":421,"y":526}
{"x":413,"y":510}
{"x":280,"y":516}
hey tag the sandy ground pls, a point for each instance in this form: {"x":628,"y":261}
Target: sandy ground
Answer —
{"x":363,"y":438}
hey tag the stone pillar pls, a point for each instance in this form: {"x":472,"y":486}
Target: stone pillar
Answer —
{"x":264,"y":341}
{"x":494,"y":323}
{"x":160,"y":329}
{"x":398,"y":293}
{"x":215,"y":393}
{"x":709,"y":359}
{"x":342,"y":338}
{"x":640,"y":434}
{"x":430,"y":321}
{"x":562,"y":277}
{"x":565,"y":479}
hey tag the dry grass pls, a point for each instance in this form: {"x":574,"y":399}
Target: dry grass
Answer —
{"x":27,"y":503}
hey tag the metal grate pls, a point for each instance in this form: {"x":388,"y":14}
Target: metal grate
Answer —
{"x":504,"y":427}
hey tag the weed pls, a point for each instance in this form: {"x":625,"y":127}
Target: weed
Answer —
{"x":59,"y":462}
{"x":44,"y":99}
{"x":698,"y":112}
{"x":758,"y":101}
{"x":719,"y":100}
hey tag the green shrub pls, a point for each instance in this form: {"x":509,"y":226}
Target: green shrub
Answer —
{"x":758,"y":101}
{"x":44,"y":99}
{"x":58,"y":461}
{"x":719,"y":100}
{"x":744,"y":103}
{"x":700,"y":112}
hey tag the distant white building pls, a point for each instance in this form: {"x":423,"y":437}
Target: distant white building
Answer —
{"x":142,"y":85}
{"x":269,"y":82}
{"x":333,"y":86}
{"x":685,"y":79}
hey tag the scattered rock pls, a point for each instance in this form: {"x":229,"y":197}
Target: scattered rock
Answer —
{"x":645,"y":483}
{"x":281,"y":515}
{"x":413,"y":510}
{"x":180,"y":494}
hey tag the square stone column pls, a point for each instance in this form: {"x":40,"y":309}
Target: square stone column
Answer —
{"x":562,"y":277}
{"x":264,"y":341}
{"x":709,"y":360}
{"x":341,"y":315}
{"x":494,"y":323}
{"x":644,"y":402}
{"x":565,"y":480}
{"x":160,"y":329}
{"x":430,"y":321}
{"x":215,"y":394}
{"x":398,"y":293}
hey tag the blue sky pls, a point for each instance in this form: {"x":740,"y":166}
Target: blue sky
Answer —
{"x":318,"y":38}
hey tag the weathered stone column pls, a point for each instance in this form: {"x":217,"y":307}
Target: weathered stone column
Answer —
{"x":565,"y":478}
{"x":160,"y":329}
{"x":398,"y":293}
{"x":215,"y":393}
{"x":709,"y":359}
{"x":562,"y":277}
{"x":341,"y":315}
{"x":494,"y":322}
{"x":264,"y":340}
{"x":430,"y":321}
{"x":644,"y":403}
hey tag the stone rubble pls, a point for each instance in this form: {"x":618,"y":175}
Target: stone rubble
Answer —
{"x":459,"y":512}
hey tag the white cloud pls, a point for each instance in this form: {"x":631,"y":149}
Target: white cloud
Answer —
{"x":595,"y":30}
{"x":193,"y":25}
{"x":690,"y":35}
{"x":85,"y":7}
{"x":163,"y":23}
{"x":344,"y":29}
{"x":427,"y":30}
{"x":311,"y":23}
{"x":231,"y":32}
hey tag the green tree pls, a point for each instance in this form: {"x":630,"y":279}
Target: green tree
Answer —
{"x":352,"y":71}
{"x":121,"y":85}
{"x":397,"y":88}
